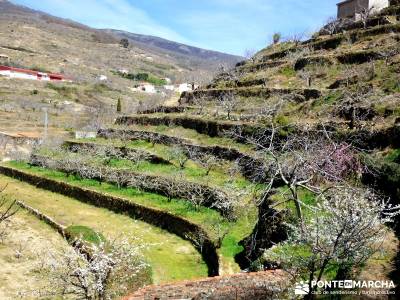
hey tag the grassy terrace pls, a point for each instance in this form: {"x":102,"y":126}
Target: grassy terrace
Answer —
{"x":171,"y":257}
{"x":209,"y":219}
{"x":190,"y":134}
{"x":218,"y":176}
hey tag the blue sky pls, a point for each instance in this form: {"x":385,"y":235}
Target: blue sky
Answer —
{"x":229,"y":26}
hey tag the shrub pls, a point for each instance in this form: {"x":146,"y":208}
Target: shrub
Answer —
{"x":63,"y":90}
{"x":124,"y":43}
{"x":276,"y":38}
{"x":288,"y":71}
{"x":119,"y":105}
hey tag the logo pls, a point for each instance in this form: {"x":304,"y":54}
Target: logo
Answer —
{"x":348,"y":287}
{"x":302,"y":288}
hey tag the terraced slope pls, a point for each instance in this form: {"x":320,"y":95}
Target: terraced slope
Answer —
{"x":350,"y":77}
{"x":191,"y":170}
{"x":30,"y":237}
{"x":345,"y":85}
{"x":170,"y":257}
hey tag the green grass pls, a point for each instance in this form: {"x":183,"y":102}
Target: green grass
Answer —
{"x":194,"y":136}
{"x":64,"y":90}
{"x":393,"y":156}
{"x":84,"y":234}
{"x":218,"y":176}
{"x":288,"y":71}
{"x":170,"y":257}
{"x":209,"y":219}
{"x":329,"y":99}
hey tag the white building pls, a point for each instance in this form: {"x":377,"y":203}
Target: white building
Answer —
{"x":102,"y":78}
{"x":85,"y":135}
{"x":169,"y":87}
{"x":186,"y":87}
{"x":146,"y":88}
{"x":19,"y":73}
{"x":352,"y":8}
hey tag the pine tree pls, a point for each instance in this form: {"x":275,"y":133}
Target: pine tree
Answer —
{"x":119,"y":105}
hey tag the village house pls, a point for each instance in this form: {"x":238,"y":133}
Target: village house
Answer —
{"x":102,"y":78}
{"x":169,"y":87}
{"x":12,"y":72}
{"x":4,"y":58}
{"x":145,"y":88}
{"x":85,"y":134}
{"x":351,"y":9}
{"x":123,"y":71}
{"x":186,"y":87}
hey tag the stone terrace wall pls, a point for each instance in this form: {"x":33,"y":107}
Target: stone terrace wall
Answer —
{"x":249,"y":166}
{"x":243,"y":286}
{"x":165,"y":220}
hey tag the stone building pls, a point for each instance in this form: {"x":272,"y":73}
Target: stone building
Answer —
{"x":352,"y":8}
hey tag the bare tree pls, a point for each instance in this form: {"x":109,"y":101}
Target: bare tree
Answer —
{"x":220,"y":232}
{"x":332,"y":25}
{"x":228,"y":102}
{"x":249,"y":53}
{"x":302,"y":161}
{"x":179,"y":155}
{"x":365,"y":13}
{"x":208,"y":162}
{"x":306,"y":75}
{"x":200,"y":102}
{"x":7,"y":210}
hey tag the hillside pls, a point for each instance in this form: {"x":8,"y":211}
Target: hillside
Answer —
{"x":284,"y":169}
{"x":285,"y":108}
{"x":35,"y":40}
{"x":192,"y":57}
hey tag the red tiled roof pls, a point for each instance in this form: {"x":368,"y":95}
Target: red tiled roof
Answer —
{"x":31,"y":72}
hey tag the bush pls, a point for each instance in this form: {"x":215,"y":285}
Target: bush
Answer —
{"x":119,"y":105}
{"x":64,"y":90}
{"x":288,"y":71}
{"x":124,"y":43}
{"x":143,"y":77}
{"x":276,"y":38}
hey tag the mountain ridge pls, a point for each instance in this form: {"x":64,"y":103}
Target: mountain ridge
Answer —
{"x":165,"y":44}
{"x":109,"y":35}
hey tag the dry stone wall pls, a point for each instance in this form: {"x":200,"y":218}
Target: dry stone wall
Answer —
{"x":250,"y":167}
{"x":245,"y":286}
{"x":167,"y":221}
{"x":201,"y":194}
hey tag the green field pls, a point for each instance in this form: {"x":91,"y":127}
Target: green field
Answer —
{"x":170,"y":257}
